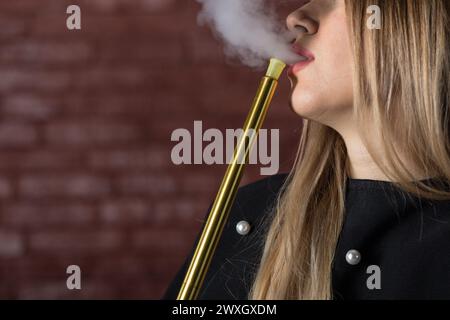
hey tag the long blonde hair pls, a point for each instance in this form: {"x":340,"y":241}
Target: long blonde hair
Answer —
{"x":401,"y":83}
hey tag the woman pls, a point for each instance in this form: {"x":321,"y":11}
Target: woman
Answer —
{"x":365,"y":211}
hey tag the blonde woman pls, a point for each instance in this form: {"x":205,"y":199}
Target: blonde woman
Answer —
{"x":365,"y":211}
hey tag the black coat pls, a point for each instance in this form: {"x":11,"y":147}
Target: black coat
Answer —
{"x":403,"y":245}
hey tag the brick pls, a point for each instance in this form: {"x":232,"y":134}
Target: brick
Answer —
{"x":43,"y":290}
{"x":157,"y":50}
{"x":40,"y":290}
{"x":203,"y":49}
{"x":161,"y":240}
{"x":145,"y":184}
{"x":121,"y":6}
{"x":217,"y":100}
{"x":35,"y":215}
{"x":91,"y":133}
{"x":6,"y":292}
{"x":126,"y":105}
{"x":32,"y":268}
{"x":45,"y":52}
{"x":11,"y":244}
{"x":17,"y":135}
{"x":63,"y":185}
{"x":52,"y":26}
{"x":106,"y":104}
{"x":183,"y":210}
{"x":160,"y":5}
{"x":118,"y":26}
{"x":161,"y":212}
{"x":5,"y":188}
{"x":29,"y":106}
{"x":153,"y":158}
{"x":101,"y":77}
{"x":86,"y":242}
{"x":20,"y":78}
{"x":201,"y":182}
{"x":40,"y":159}
{"x":126,"y":211}
{"x":11,"y":27}
{"x":124,"y":266}
{"x":22,"y":7}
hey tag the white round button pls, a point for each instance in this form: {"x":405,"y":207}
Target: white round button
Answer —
{"x":243,"y":227}
{"x":353,"y":257}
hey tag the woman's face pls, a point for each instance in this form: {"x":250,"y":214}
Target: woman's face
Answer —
{"x":322,"y":86}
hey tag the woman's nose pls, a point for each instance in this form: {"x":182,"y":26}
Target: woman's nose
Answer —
{"x":299,"y":24}
{"x":293,"y":23}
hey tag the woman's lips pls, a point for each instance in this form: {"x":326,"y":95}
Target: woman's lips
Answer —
{"x":293,"y":69}
{"x":307,"y":56}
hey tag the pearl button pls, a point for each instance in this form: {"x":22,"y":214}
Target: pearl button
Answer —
{"x":243,"y":227}
{"x":353,"y":257}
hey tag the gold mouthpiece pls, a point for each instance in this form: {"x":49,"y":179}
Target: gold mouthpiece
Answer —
{"x":275,"y":68}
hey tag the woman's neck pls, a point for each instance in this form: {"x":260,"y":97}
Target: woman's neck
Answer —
{"x":362,"y":166}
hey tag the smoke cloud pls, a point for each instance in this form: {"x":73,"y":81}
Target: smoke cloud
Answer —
{"x":249,"y":29}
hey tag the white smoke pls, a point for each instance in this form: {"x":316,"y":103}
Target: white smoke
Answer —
{"x":249,"y":29}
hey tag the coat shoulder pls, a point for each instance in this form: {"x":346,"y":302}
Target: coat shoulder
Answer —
{"x":259,"y":196}
{"x":270,"y":184}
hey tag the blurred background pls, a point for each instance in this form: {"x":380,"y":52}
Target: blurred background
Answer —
{"x":86,"y":118}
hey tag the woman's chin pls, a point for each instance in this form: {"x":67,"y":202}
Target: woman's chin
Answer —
{"x":303,"y":104}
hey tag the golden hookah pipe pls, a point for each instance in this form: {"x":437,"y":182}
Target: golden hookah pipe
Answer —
{"x":225,"y":197}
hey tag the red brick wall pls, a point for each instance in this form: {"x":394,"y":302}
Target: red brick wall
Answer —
{"x":86,"y":119}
